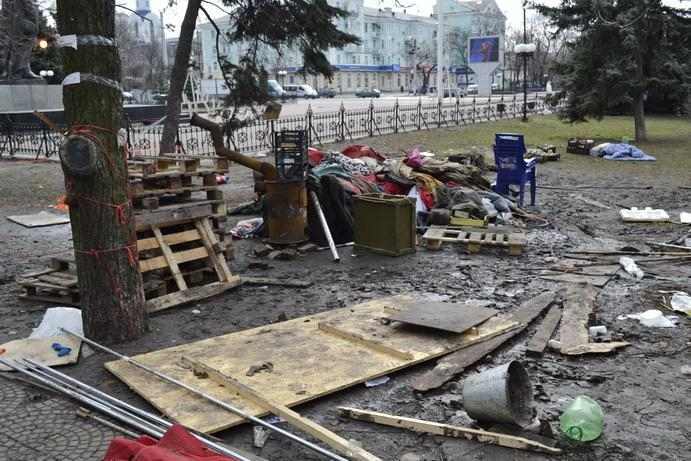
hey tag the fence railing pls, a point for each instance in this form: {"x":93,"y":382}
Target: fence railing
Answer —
{"x":342,"y":125}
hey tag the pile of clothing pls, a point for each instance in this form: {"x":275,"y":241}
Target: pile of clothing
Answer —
{"x":338,"y":176}
{"x":620,"y":151}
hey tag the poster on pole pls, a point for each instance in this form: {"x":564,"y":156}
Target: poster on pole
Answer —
{"x":483,"y":49}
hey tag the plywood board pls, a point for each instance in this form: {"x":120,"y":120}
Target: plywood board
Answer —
{"x":538,"y":343}
{"x":307,"y":363}
{"x":453,"y":317}
{"x":41,"y":350}
{"x":578,"y":305}
{"x":40,"y":219}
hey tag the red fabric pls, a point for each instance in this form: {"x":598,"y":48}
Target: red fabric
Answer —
{"x":392,"y":188}
{"x":176,"y":445}
{"x":314,"y":156}
{"x":357,"y":151}
{"x":427,"y":197}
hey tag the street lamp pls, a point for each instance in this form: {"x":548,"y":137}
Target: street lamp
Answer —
{"x":43,"y":44}
{"x":525,"y":50}
{"x":46,"y":73}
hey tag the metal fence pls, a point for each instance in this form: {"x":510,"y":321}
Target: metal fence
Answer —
{"x":322,"y":127}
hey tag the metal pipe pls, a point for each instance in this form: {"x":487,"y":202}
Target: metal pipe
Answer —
{"x":87,"y":414}
{"x":220,"y":403}
{"x":118,"y":413}
{"x":103,"y":395}
{"x":325,"y":226}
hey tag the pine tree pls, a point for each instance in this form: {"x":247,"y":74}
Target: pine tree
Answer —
{"x":623,"y":51}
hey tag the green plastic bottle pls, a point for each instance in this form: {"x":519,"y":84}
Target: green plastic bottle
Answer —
{"x":582,"y":420}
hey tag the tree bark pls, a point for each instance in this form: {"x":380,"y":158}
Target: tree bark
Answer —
{"x":103,"y":230}
{"x":178,"y":76}
{"x":639,"y":118}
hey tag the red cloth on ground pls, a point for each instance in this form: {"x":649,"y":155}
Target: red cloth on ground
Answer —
{"x":176,"y":445}
{"x":392,"y":188}
{"x":427,"y":197}
{"x":357,"y":151}
{"x":314,"y":156}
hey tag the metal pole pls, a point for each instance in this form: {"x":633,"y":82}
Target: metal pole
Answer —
{"x":325,"y":226}
{"x":114,"y":404}
{"x":220,"y":403}
{"x":525,"y":70}
{"x":440,"y":48}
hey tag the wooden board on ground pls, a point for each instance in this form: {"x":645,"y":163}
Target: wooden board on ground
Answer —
{"x":568,"y":271}
{"x":40,"y":219}
{"x":429,"y":427}
{"x":453,"y":317}
{"x":41,"y":350}
{"x":291,"y":283}
{"x":454,"y":364}
{"x":578,"y":305}
{"x":538,"y":343}
{"x":306,"y":363}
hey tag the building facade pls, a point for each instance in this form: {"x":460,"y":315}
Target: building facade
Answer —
{"x":393,"y":46}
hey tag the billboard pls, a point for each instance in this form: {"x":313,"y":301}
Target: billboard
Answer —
{"x":483,"y":49}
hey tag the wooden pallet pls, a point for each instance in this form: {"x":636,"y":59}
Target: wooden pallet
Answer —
{"x":146,"y":166}
{"x":174,"y":249}
{"x":475,"y":239}
{"x":50,"y":285}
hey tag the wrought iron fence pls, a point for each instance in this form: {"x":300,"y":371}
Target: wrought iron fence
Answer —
{"x":322,"y":127}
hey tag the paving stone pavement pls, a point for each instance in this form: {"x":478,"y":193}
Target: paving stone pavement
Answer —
{"x":36,"y":425}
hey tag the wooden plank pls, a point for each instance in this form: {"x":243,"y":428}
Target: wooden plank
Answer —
{"x":157,"y":192}
{"x":307,"y":363}
{"x":454,"y":364}
{"x":595,"y":280}
{"x":67,"y":282}
{"x":34,"y":274}
{"x":292,"y":283}
{"x":170,"y":259}
{"x":212,"y":246}
{"x":429,"y":427}
{"x":366,"y":342}
{"x":538,"y":343}
{"x":184,"y":256}
{"x":308,"y":426}
{"x":170,"y":239}
{"x":191,"y":294}
{"x":453,"y":317}
{"x":578,"y":305}
{"x":172,"y":213}
{"x":590,"y":348}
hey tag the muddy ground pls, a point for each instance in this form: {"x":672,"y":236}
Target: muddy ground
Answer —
{"x":644,"y":395}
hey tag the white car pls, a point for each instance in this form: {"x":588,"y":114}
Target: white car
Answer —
{"x":300,"y":91}
{"x":472,"y":89}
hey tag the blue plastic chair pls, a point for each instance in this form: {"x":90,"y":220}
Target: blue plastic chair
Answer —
{"x":512,"y":168}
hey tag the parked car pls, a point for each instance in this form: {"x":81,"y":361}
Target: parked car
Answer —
{"x":327,"y":93}
{"x":159,"y":98}
{"x":275,"y":89}
{"x":367,"y":93}
{"x":472,"y":89}
{"x":300,"y":91}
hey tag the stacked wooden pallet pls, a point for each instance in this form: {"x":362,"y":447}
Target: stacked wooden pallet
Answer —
{"x":475,"y":239}
{"x":180,"y":217}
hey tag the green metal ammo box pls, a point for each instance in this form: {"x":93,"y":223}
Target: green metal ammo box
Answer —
{"x":384,"y":223}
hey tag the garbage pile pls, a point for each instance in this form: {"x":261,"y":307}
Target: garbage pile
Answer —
{"x":431,"y":183}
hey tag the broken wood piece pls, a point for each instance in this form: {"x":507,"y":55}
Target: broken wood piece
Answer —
{"x":453,"y":317}
{"x":292,"y":283}
{"x":170,"y":258}
{"x":590,"y":348}
{"x":578,"y":305}
{"x":191,"y":294}
{"x":429,"y":427}
{"x":538,"y":343}
{"x":454,"y":364}
{"x":333,"y":440}
{"x":366,"y":342}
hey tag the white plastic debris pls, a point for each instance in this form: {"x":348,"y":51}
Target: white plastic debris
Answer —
{"x":685,"y":217}
{"x":599,"y":330}
{"x":55,"y":318}
{"x":377,"y":381}
{"x":645,"y":215}
{"x":681,"y":302}
{"x":631,"y":267}
{"x":652,"y":318}
{"x":261,"y":435}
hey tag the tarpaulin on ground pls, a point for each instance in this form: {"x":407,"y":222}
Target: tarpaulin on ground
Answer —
{"x":620,"y":151}
{"x":176,"y":445}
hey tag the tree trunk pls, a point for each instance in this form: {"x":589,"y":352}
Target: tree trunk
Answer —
{"x":95,"y":168}
{"x":639,"y":118}
{"x":178,"y":76}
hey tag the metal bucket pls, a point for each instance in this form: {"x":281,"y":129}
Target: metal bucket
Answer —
{"x":502,"y":394}
{"x":286,"y":211}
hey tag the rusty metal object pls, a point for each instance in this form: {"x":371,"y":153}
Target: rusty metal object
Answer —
{"x":286,"y":211}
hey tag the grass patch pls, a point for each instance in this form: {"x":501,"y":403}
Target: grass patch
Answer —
{"x":669,"y":141}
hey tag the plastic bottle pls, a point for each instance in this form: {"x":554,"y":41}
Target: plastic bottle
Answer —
{"x":582,"y":420}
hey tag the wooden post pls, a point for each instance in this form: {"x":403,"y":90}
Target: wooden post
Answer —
{"x":95,"y":168}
